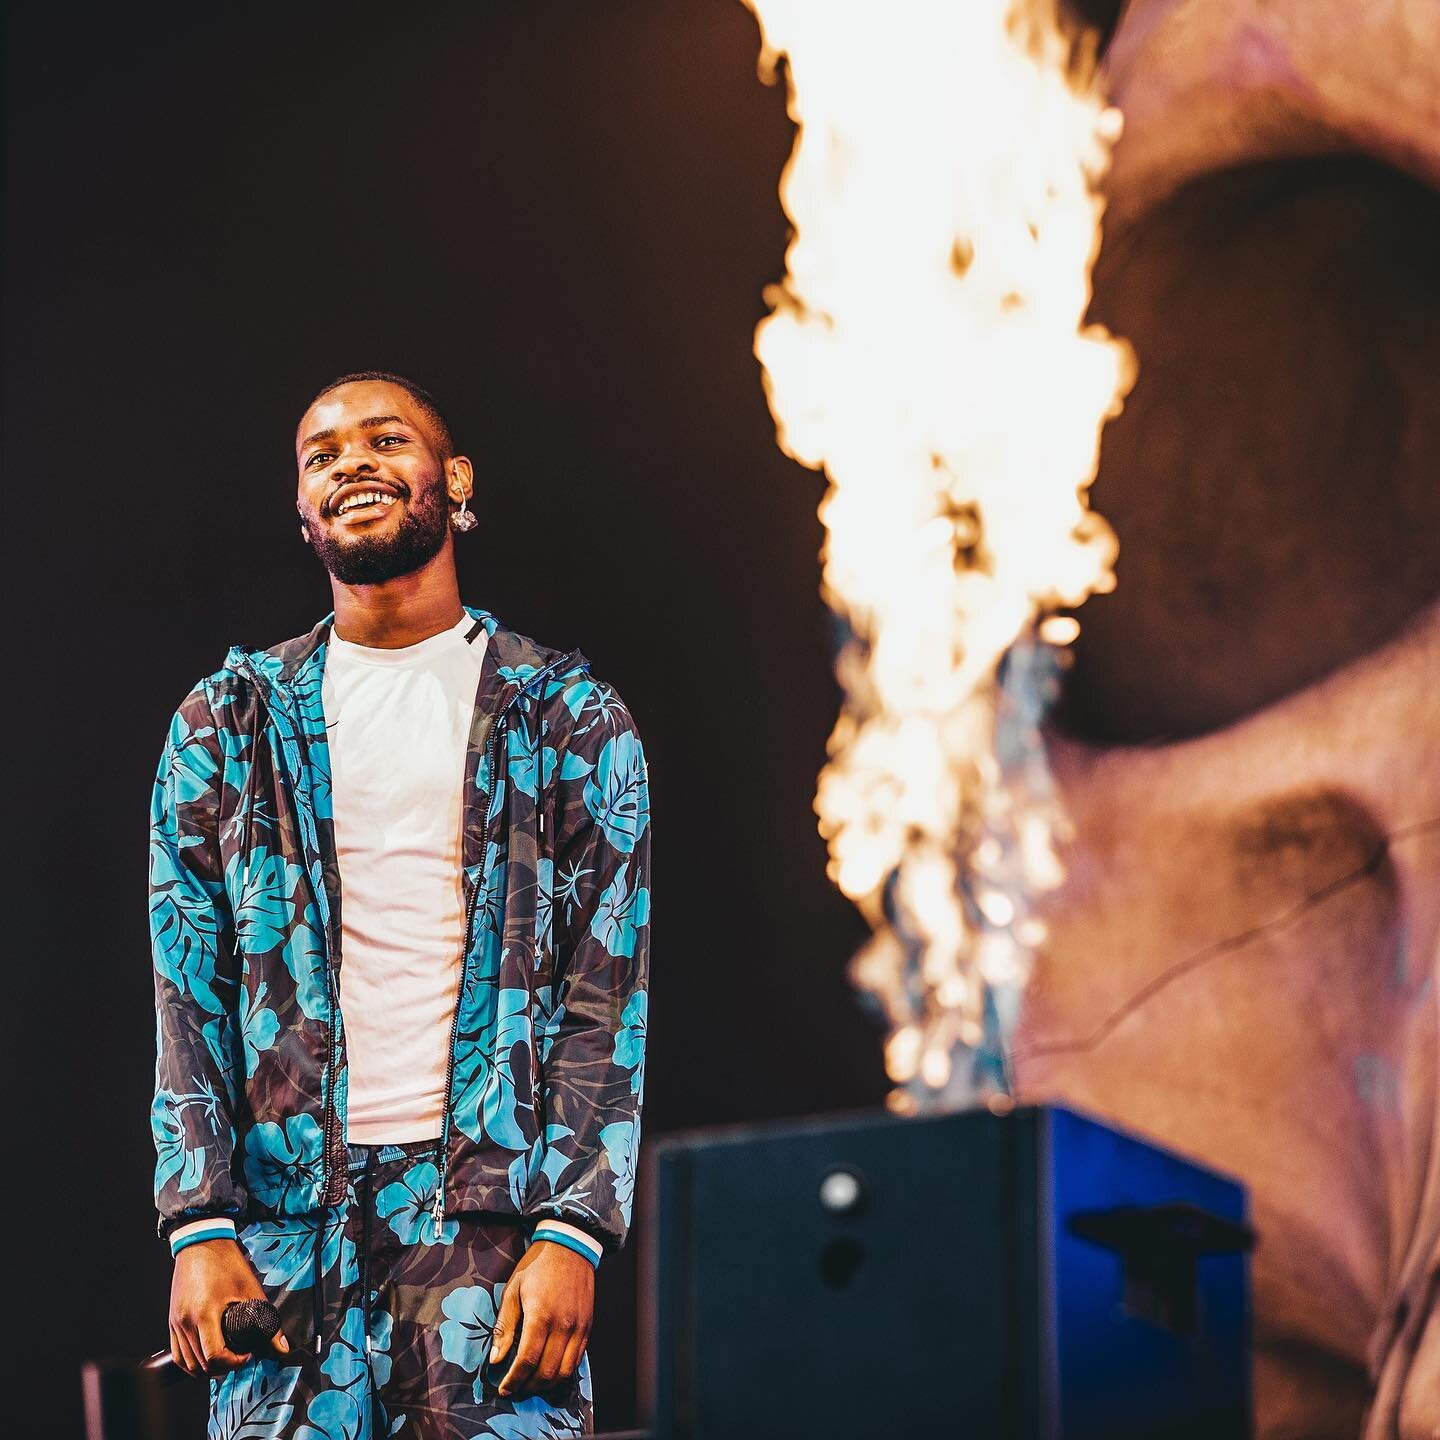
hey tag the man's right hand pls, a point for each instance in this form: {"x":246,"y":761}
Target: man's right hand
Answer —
{"x":208,"y":1276}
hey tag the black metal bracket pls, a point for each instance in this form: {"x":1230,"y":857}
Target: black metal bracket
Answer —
{"x":1158,"y":1246}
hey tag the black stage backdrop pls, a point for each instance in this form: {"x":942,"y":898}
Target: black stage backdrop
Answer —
{"x":559,"y":216}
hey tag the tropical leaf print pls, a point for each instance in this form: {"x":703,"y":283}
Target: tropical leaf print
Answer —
{"x":616,"y":795}
{"x":574,"y":691}
{"x":258,"y":1025}
{"x":251,"y":1054}
{"x":345,"y":1362}
{"x":334,"y":1415}
{"x":491,"y":910}
{"x":572,"y":889}
{"x":598,"y":706}
{"x":184,"y":928}
{"x":576,"y":767}
{"x":545,"y":1158}
{"x":549,"y":1013}
{"x":487,"y":1102}
{"x":174,"y":1155}
{"x":282,"y":1163}
{"x":193,"y":765}
{"x":621,"y":1141}
{"x":220,"y":1044}
{"x":255,"y":1402}
{"x":405,"y":1206}
{"x":544,"y":906}
{"x":305,"y":958}
{"x":535,"y":1418}
{"x":620,"y":914}
{"x":528,"y":764}
{"x":283,"y":1250}
{"x":262,"y":888}
{"x":470,"y":1312}
{"x":629,"y":1048}
{"x":517,"y":674}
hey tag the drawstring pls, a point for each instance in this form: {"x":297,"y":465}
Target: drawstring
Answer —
{"x":247,"y":798}
{"x":317,"y":1298}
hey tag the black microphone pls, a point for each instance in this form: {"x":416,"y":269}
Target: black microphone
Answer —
{"x":247,"y":1325}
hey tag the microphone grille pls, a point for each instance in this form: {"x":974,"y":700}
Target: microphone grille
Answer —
{"x":249,"y":1324}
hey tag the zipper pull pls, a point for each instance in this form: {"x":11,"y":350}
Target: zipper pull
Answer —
{"x":437,"y":1212}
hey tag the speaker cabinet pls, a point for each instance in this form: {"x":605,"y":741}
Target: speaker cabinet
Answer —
{"x":1034,"y":1274}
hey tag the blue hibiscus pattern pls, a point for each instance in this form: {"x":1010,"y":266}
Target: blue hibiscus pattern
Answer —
{"x":255,"y":1402}
{"x":486,"y":1105}
{"x":622,"y":1142}
{"x":616,"y":794}
{"x":176,"y":1158}
{"x":405,"y":1337}
{"x":623,"y":910}
{"x":405,"y":1206}
{"x":226,"y":1050}
{"x":184,"y":920}
{"x":258,"y":1025}
{"x":251,"y":1070}
{"x":346,"y":1365}
{"x":629,"y":1048}
{"x":335,"y":1415}
{"x":282,"y":1249}
{"x":282,"y":1161}
{"x":466,"y":1331}
{"x":530,"y":765}
{"x":545,"y":1158}
{"x":534,"y":1418}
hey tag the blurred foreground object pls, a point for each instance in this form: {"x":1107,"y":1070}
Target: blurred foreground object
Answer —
{"x":1033,"y":1275}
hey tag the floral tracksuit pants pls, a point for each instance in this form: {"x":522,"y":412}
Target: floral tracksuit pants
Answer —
{"x":404,"y":1318}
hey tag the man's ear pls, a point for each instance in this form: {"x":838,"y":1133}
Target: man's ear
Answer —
{"x":459,"y":478}
{"x":304,"y":533}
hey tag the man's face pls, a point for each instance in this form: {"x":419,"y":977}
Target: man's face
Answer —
{"x":372,"y":483}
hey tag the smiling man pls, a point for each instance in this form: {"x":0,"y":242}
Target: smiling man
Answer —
{"x":399,"y":907}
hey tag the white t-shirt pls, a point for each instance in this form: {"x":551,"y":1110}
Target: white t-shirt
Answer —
{"x":398,"y":723}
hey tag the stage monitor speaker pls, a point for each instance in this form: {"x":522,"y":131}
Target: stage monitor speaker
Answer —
{"x":1034,"y":1275}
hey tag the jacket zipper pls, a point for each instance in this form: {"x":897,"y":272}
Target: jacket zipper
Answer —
{"x":437,"y":1207}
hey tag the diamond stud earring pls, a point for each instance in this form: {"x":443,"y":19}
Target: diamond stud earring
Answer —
{"x":464,"y":518}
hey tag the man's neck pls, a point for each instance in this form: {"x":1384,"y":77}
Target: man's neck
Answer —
{"x":402,"y":611}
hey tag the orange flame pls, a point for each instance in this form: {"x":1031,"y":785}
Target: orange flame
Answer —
{"x":927,"y":350}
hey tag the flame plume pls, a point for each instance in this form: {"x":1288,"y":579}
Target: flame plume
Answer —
{"x":927,"y":349}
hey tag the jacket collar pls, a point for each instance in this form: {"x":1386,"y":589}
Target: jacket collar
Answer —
{"x":510,"y":660}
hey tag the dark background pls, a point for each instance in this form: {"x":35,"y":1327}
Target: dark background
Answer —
{"x":560,"y":217}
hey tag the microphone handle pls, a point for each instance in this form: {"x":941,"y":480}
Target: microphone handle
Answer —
{"x":245,"y":1333}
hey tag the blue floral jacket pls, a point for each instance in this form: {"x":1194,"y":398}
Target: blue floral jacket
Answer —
{"x":547,"y":1057}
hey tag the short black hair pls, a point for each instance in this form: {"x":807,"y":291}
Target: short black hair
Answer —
{"x":422,"y":398}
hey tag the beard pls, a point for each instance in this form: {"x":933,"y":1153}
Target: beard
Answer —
{"x":373,"y":559}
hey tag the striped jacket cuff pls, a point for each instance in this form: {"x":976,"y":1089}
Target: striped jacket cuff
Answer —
{"x":210,"y":1228}
{"x":570,"y":1236}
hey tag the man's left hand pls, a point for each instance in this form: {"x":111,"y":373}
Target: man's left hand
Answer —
{"x":552,"y":1291}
